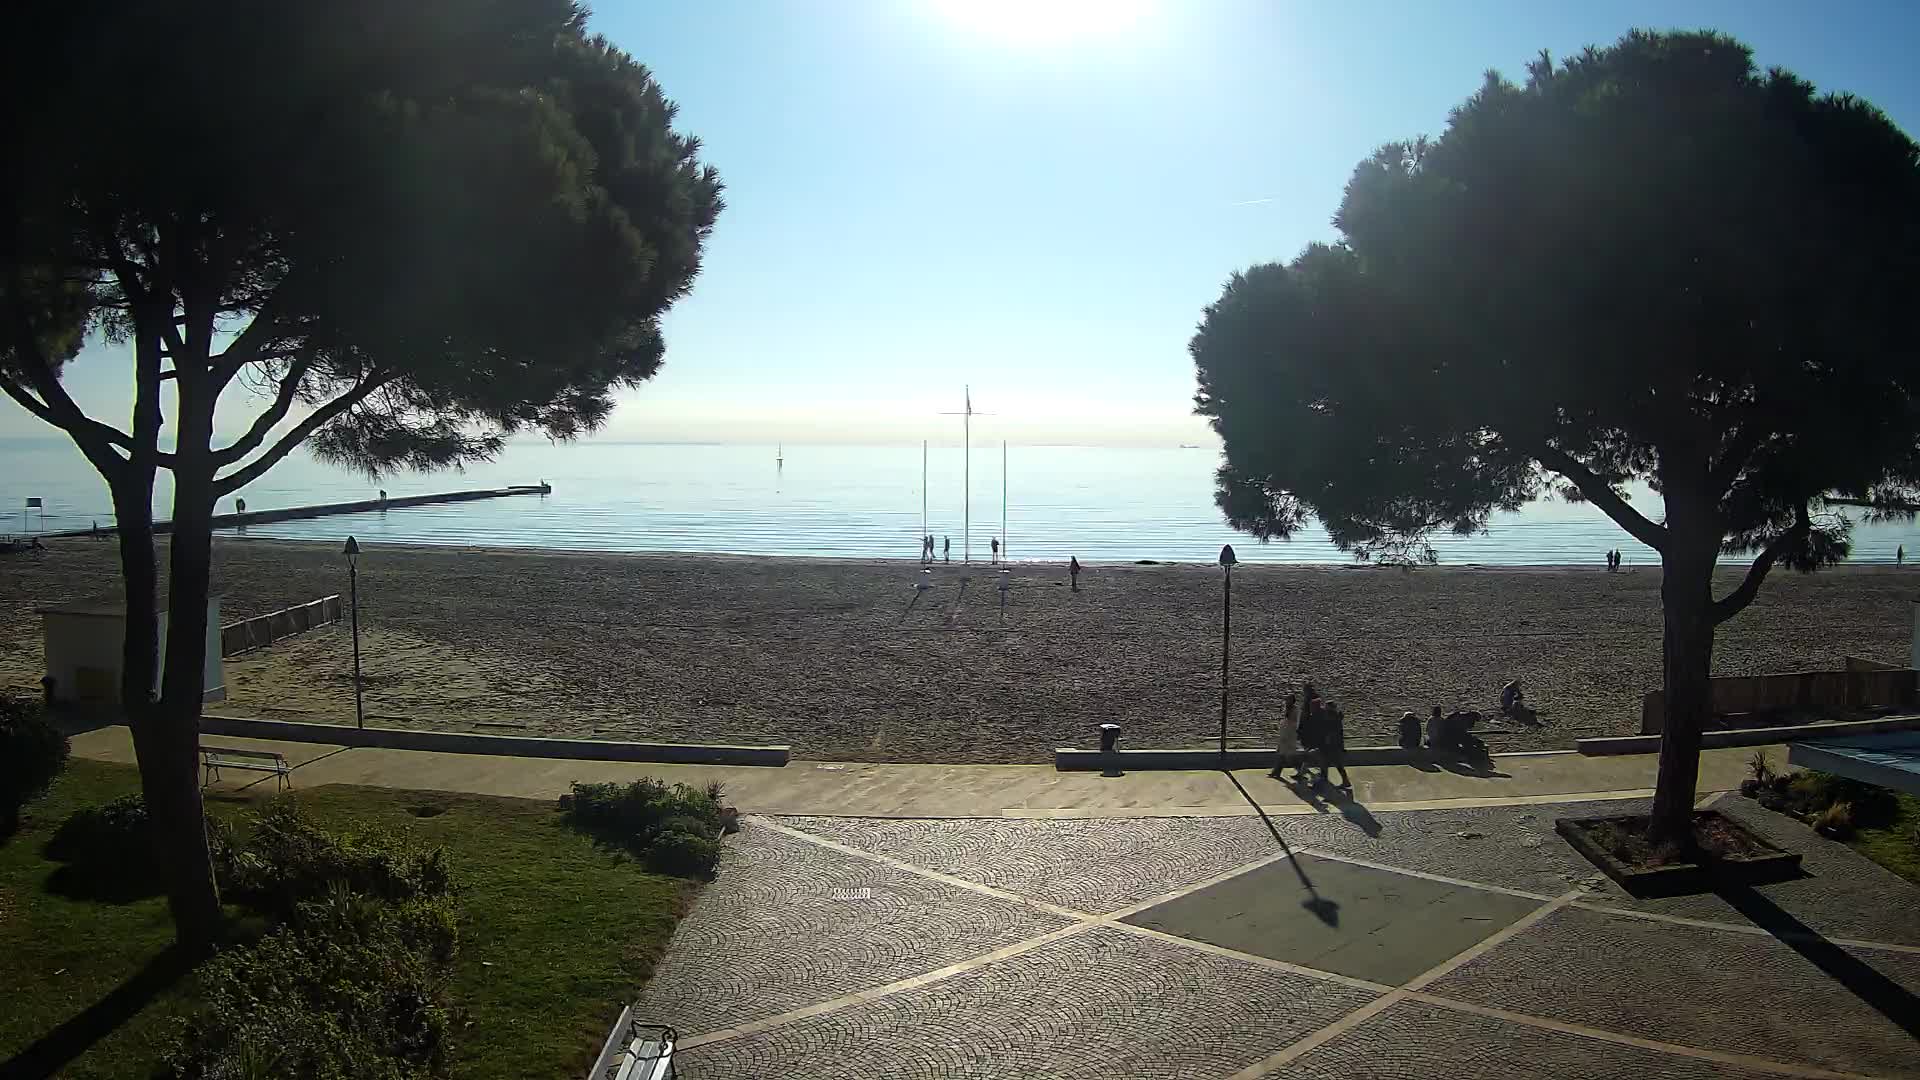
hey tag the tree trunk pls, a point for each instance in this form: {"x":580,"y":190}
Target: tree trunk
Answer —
{"x":1686,"y":602}
{"x":166,"y":752}
{"x":194,"y":893}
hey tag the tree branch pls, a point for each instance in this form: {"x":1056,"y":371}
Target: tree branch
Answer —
{"x":265,"y":423}
{"x":313,"y":422}
{"x":1745,"y":441}
{"x":1736,"y":601}
{"x":1601,"y":494}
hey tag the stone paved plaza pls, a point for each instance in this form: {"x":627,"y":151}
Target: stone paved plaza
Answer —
{"x":1457,"y":943}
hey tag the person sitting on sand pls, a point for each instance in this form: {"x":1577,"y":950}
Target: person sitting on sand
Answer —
{"x":1409,"y":730}
{"x":1511,"y":698}
{"x":1073,"y":571}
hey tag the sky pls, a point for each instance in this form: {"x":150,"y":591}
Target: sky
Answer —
{"x":1036,"y":198}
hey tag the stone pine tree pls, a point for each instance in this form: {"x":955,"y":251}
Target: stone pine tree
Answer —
{"x":1650,"y":262}
{"x":400,"y":231}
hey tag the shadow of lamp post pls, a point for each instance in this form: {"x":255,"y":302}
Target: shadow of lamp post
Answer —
{"x":353,"y":602}
{"x":1227,"y":560}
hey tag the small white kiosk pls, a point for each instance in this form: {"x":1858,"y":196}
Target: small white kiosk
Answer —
{"x":83,"y":645}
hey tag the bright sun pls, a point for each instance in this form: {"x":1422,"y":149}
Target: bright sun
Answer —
{"x":1042,"y":20}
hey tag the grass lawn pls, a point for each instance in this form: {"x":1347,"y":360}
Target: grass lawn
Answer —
{"x":1894,"y":846}
{"x":556,"y":934}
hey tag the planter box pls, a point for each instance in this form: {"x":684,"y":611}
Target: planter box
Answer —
{"x":1774,"y":864}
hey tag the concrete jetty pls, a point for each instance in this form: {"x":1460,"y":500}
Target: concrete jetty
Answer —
{"x":291,"y":513}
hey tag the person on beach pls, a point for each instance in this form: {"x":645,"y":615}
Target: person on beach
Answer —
{"x":1900,"y":555}
{"x":1511,"y":697}
{"x":1436,"y":730}
{"x":1073,"y":571}
{"x":995,"y":541}
{"x":1287,"y":743}
{"x":1333,"y":744}
{"x":946,"y":547}
{"x":1409,"y":730}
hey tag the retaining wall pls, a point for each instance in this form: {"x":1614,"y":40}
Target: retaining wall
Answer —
{"x":263,"y":630}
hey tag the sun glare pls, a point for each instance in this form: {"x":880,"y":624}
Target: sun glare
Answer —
{"x":1035,"y":21}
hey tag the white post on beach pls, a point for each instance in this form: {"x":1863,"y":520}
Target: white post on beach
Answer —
{"x":1227,"y":559}
{"x":1003,"y":498}
{"x":923,"y":488}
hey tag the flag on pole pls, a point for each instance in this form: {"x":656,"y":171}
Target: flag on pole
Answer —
{"x":32,"y":502}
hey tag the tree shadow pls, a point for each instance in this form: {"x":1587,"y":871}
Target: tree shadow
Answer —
{"x":51,"y":1053}
{"x":1882,"y":994}
{"x":1323,"y":908}
{"x":99,"y":862}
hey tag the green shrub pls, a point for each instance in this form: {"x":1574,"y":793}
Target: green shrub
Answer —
{"x":1760,"y":767}
{"x":333,"y":1000}
{"x":32,"y":754}
{"x":351,"y":984}
{"x":289,"y":859}
{"x":675,"y":828}
{"x":682,"y":853}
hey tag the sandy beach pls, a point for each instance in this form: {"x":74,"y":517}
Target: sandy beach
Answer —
{"x":848,"y":660}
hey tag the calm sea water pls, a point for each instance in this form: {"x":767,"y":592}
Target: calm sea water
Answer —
{"x":1099,"y":503}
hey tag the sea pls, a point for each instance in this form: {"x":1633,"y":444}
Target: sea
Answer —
{"x":1100,"y":504}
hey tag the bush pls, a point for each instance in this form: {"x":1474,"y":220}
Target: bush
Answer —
{"x":351,"y":984}
{"x":1836,"y":820}
{"x":332,"y":1000}
{"x":674,"y":828}
{"x":1760,"y":767}
{"x":32,"y":754}
{"x":683,"y":853}
{"x":289,"y":859}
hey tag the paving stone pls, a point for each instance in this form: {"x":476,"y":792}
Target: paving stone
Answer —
{"x":1373,"y":924}
{"x":1742,"y":993}
{"x":767,"y":936}
{"x":1102,"y":1004}
{"x":1416,"y":1041}
{"x":1088,"y":865}
{"x":1842,"y":894}
{"x":1514,"y":847}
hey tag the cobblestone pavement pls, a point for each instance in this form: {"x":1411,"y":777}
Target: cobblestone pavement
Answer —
{"x":843,"y":947}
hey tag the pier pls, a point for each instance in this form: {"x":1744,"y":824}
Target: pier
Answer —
{"x":359,"y":506}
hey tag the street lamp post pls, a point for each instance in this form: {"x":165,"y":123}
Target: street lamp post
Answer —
{"x":353,"y":593}
{"x":1227,"y":560}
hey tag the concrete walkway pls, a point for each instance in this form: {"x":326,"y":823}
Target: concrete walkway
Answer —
{"x":854,"y":789}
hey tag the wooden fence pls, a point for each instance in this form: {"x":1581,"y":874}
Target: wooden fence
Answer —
{"x":1800,"y":689}
{"x":263,"y":630}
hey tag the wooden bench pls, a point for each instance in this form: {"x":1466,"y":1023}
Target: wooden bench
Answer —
{"x":636,"y":1051}
{"x":215,"y":758}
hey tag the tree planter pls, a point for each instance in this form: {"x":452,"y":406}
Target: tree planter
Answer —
{"x":1702,"y":870}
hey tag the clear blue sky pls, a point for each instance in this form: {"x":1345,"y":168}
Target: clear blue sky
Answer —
{"x":1038,"y":198}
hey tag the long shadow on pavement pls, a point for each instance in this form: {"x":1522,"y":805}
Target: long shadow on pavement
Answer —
{"x":1889,"y":998}
{"x":1326,"y":910}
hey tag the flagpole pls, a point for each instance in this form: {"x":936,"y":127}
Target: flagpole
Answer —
{"x":923,"y":487}
{"x":966,"y":480}
{"x":1003,"y":498}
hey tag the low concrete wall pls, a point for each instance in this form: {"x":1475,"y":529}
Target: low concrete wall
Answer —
{"x":263,"y":630}
{"x":1799,"y":689}
{"x":1070,"y":759}
{"x":455,"y":742}
{"x":1712,"y":740}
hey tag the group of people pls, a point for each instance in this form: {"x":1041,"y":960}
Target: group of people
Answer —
{"x":946,"y":547}
{"x":1613,"y":561}
{"x":1312,"y":730}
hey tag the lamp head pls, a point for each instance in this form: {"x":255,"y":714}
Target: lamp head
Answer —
{"x":1227,"y":558}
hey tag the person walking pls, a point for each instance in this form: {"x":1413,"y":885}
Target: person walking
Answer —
{"x":1073,"y":571}
{"x":1313,"y":726}
{"x":1900,"y":555}
{"x":995,"y":541}
{"x":946,"y":547}
{"x":1287,"y":743}
{"x":1333,"y":745}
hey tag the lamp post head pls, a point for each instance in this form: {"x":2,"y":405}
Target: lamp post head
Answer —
{"x":353,"y":549}
{"x":1227,"y":558}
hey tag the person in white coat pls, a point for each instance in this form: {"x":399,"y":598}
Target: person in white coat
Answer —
{"x":1288,"y":742}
